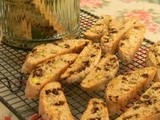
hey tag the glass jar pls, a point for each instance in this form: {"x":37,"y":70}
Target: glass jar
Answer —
{"x":26,"y":23}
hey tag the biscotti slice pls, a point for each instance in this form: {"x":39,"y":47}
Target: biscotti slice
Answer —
{"x":86,"y":60}
{"x":131,"y":42}
{"x":101,"y":74}
{"x":153,"y":58}
{"x":117,"y":28}
{"x":98,"y":29}
{"x":96,"y":110}
{"x":147,"y":107}
{"x":49,"y":50}
{"x":48,"y":71}
{"x":122,"y":89}
{"x":53,"y":104}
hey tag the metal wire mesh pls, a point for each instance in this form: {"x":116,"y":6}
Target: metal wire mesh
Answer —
{"x":12,"y":83}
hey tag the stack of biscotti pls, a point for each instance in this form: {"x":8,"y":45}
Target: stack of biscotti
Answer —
{"x":117,"y":28}
{"x":53,"y":104}
{"x":96,"y":110}
{"x":48,"y":71}
{"x":45,"y":51}
{"x":98,"y":29}
{"x":153,"y":58}
{"x":101,"y":74}
{"x":122,"y":89}
{"x":86,"y":60}
{"x":147,"y":107}
{"x":131,"y":42}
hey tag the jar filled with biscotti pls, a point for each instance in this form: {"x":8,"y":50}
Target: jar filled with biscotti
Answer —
{"x":27,"y":23}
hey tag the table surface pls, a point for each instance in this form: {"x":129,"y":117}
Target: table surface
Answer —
{"x":148,"y":11}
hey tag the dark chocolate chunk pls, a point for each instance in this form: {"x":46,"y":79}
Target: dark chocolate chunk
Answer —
{"x":98,"y":68}
{"x":95,"y":103}
{"x":131,"y":116}
{"x":113,"y":30}
{"x":124,"y":78}
{"x":66,"y":46}
{"x":86,"y":63}
{"x":38,"y":72}
{"x":106,"y":41}
{"x":94,"y":110}
{"x":93,"y":55}
{"x":136,"y":107}
{"x":116,"y":98}
{"x":71,"y":72}
{"x":158,"y":64}
{"x":55,"y":91}
{"x":59,"y":103}
{"x":121,"y":44}
{"x":106,"y":69}
{"x":96,"y":118}
{"x":156,"y":88}
{"x":145,"y":75}
{"x":47,"y":92}
{"x":113,"y":59}
{"x":145,"y":97}
{"x":38,"y":84}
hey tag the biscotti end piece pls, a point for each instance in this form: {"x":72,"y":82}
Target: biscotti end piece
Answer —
{"x":122,"y":89}
{"x":50,"y":50}
{"x":86,"y":60}
{"x":131,"y":42}
{"x":96,"y":110}
{"x":101,"y":74}
{"x":153,"y":58}
{"x":53,"y":104}
{"x":147,"y":107}
{"x":48,"y":71}
{"x":98,"y":29}
{"x":117,"y":28}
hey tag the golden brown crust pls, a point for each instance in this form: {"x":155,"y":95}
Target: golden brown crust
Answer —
{"x":46,"y":72}
{"x":53,"y":104}
{"x":147,"y":107}
{"x":96,"y":110}
{"x":153,"y":58}
{"x":131,"y":42}
{"x":101,"y":74}
{"x":86,"y":60}
{"x":98,"y":29}
{"x":51,"y":50}
{"x":117,"y":28}
{"x":122,"y":89}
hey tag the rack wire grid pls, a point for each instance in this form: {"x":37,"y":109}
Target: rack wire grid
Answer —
{"x":12,"y":82}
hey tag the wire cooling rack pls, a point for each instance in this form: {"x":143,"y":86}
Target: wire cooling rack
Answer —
{"x":12,"y":83}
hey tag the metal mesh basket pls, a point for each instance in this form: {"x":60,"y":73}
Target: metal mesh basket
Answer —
{"x":12,"y":83}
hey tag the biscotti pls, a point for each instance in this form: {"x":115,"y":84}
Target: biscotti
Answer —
{"x":122,"y":89}
{"x":117,"y":28}
{"x":153,"y":58}
{"x":147,"y":107}
{"x":49,"y":50}
{"x":101,"y":74}
{"x":53,"y":104}
{"x":48,"y":71}
{"x":98,"y":29}
{"x":131,"y":42}
{"x":86,"y":60}
{"x":96,"y":110}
